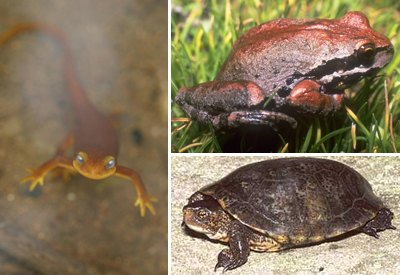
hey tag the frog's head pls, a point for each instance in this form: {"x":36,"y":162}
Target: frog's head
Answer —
{"x":345,"y":51}
{"x":95,"y":163}
{"x":351,"y":50}
{"x":206,"y":216}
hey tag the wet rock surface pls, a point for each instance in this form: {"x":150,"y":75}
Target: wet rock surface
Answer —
{"x":120,"y":53}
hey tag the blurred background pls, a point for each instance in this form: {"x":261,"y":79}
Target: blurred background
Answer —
{"x":84,"y":226}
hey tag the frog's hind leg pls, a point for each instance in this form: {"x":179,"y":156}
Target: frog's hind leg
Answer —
{"x":237,"y":118}
{"x":382,"y":221}
{"x":62,"y":151}
{"x":261,"y":117}
{"x":229,"y":104}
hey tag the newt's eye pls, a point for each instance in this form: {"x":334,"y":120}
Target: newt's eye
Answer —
{"x":79,"y":159}
{"x":110,"y":164}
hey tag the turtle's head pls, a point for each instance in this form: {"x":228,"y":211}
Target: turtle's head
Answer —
{"x":207,"y":216}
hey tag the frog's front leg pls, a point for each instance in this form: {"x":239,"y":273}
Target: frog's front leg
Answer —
{"x":306,"y":98}
{"x":37,"y":175}
{"x":144,"y":199}
{"x":229,"y":104}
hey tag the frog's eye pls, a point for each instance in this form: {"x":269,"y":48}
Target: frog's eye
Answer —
{"x":110,"y":163}
{"x":80,"y":159}
{"x":366,"y":53}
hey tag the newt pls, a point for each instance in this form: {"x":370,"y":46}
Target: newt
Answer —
{"x":93,"y":134}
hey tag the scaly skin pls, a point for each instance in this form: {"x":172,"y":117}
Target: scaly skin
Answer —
{"x":93,"y":135}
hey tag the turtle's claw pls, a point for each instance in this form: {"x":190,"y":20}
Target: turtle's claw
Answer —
{"x":227,"y":261}
{"x":145,"y":201}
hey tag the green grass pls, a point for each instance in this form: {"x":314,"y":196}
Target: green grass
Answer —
{"x":202,"y":35}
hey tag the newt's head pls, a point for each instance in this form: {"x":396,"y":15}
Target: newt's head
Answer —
{"x":95,"y":163}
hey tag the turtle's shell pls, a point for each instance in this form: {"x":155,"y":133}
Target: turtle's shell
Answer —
{"x":297,"y":200}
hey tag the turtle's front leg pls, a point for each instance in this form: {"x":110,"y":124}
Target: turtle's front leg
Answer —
{"x":237,"y":254}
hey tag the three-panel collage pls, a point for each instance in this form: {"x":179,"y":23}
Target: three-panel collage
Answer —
{"x":199,"y":137}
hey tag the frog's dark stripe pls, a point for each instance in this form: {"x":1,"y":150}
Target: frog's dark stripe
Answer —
{"x":335,"y":65}
{"x":345,"y":64}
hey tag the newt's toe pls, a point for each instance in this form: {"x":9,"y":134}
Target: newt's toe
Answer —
{"x":144,"y":202}
{"x":35,"y":177}
{"x":27,"y":178}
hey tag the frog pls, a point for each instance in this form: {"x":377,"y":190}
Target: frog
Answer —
{"x":300,"y":66}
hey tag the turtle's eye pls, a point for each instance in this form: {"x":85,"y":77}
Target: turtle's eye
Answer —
{"x":79,"y":159}
{"x":110,"y":164}
{"x":201,"y":214}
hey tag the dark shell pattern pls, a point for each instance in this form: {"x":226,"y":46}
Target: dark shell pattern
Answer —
{"x":303,"y":199}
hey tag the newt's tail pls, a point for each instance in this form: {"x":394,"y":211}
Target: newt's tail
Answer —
{"x":77,"y":95}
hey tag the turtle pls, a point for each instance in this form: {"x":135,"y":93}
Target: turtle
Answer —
{"x":282,"y":203}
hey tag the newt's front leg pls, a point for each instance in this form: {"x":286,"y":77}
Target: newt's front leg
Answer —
{"x":144,"y":199}
{"x":62,"y":151}
{"x":37,"y":175}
